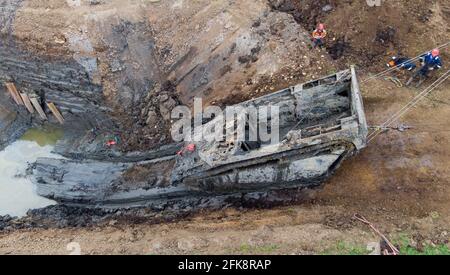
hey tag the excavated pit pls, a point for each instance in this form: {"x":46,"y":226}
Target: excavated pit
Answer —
{"x":119,"y":75}
{"x":333,"y":129}
{"x":323,"y":123}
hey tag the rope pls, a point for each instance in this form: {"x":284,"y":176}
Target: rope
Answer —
{"x":395,"y":80}
{"x":410,"y":105}
{"x":397,"y":66}
{"x":425,"y":92}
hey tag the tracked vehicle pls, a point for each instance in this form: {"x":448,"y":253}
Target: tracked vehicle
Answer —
{"x":322,"y":122}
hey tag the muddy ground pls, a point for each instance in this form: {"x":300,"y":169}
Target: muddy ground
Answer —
{"x":401,"y":182}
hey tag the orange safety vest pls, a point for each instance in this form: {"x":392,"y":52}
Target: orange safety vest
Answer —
{"x":319,"y":34}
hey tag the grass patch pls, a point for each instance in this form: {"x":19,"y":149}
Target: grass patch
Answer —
{"x":404,"y":242}
{"x":427,"y":250}
{"x":343,"y":248}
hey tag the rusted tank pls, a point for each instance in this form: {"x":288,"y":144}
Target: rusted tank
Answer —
{"x":322,"y":122}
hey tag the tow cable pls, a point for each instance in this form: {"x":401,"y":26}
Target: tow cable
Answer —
{"x":408,"y":106}
{"x":395,"y":80}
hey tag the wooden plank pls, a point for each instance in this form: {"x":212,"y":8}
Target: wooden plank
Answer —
{"x":27,"y":102}
{"x":8,"y":87}
{"x":38,"y":108}
{"x":14,"y":93}
{"x":55,"y":112}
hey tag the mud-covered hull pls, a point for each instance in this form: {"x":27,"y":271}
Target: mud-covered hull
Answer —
{"x":297,"y":168}
{"x":326,"y":125}
{"x":105,"y":184}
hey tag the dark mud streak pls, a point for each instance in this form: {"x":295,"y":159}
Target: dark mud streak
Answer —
{"x":64,"y":216}
{"x":306,"y":13}
{"x":131,"y":44}
{"x":61,"y":81}
{"x":14,"y":125}
{"x":7,"y":19}
{"x":58,"y":79}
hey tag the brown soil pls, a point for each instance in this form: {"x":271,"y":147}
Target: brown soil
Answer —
{"x":367,"y":35}
{"x":401,"y":182}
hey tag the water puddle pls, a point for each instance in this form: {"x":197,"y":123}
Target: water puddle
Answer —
{"x":17,"y":193}
{"x":46,"y":135}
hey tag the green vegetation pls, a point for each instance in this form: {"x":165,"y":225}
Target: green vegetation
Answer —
{"x":427,"y":250}
{"x":330,"y":72}
{"x":343,"y":248}
{"x":404,"y":242}
{"x":435,"y":215}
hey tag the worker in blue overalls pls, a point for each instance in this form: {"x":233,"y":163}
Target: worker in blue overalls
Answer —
{"x":430,"y":61}
{"x":402,"y":63}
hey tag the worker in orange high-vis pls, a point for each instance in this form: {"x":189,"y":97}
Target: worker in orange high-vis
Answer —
{"x":319,"y":35}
